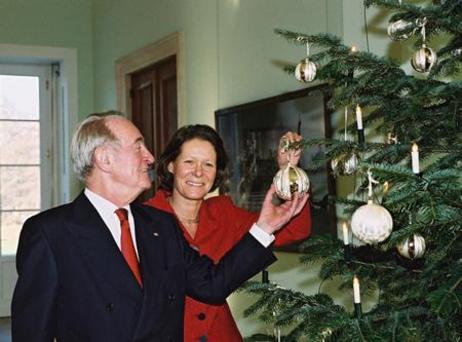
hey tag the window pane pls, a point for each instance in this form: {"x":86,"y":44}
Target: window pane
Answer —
{"x":20,"y":187}
{"x":11,"y":226}
{"x":19,"y":97}
{"x":19,"y":142}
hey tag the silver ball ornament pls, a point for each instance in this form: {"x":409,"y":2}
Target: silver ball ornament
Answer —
{"x":289,"y":180}
{"x":400,"y":30}
{"x":413,"y":247}
{"x":457,"y":52}
{"x":371,"y":223}
{"x":305,"y":71}
{"x":345,"y":164}
{"x":424,"y":59}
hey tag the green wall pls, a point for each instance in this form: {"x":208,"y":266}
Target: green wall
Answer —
{"x":232,"y":54}
{"x":56,"y":23}
{"x":122,"y":26}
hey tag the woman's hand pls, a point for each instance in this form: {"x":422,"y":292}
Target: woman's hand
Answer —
{"x":274,"y":217}
{"x":286,"y":155}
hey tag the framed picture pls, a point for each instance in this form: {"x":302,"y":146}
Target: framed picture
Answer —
{"x":251,"y":134}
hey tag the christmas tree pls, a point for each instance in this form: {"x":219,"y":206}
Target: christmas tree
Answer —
{"x":406,"y":211}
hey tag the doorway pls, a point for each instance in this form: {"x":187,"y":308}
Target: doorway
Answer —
{"x":154,"y":103}
{"x":150,"y":90}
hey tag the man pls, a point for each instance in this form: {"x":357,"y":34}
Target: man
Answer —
{"x":104,"y":269}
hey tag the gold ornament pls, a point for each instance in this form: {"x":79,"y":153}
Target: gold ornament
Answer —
{"x":401,"y":30}
{"x":345,"y":164}
{"x":289,"y":180}
{"x":413,"y":247}
{"x":305,"y":70}
{"x":424,"y":59}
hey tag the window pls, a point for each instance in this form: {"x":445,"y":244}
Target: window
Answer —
{"x":19,"y":157}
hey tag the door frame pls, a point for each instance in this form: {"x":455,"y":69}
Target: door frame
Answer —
{"x":144,"y":57}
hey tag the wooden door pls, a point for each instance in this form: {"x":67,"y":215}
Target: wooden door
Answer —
{"x":154,"y":104}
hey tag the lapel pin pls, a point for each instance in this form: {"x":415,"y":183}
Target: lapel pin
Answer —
{"x":156,"y":234}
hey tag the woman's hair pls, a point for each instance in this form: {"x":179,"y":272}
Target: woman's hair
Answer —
{"x":173,"y":150}
{"x":89,"y":135}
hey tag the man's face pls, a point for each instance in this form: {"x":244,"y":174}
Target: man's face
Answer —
{"x":131,"y":160}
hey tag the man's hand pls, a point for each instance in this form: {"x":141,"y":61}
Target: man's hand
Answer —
{"x":286,"y":155}
{"x":273,"y":217}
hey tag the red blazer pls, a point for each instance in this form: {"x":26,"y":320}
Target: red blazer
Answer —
{"x":221,"y":225}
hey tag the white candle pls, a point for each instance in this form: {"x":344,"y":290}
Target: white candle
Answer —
{"x":356,"y":293}
{"x":359,"y":117}
{"x":415,"y":159}
{"x":345,"y":234}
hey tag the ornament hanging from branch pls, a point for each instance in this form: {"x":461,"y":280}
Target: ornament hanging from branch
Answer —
{"x":401,"y":30}
{"x":425,"y":58}
{"x":347,"y":163}
{"x":457,"y":52}
{"x":306,"y":69}
{"x":371,"y":223}
{"x":413,"y":247}
{"x":392,"y":138}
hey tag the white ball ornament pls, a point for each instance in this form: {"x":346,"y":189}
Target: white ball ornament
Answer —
{"x":289,"y":180}
{"x":371,"y":223}
{"x":424,"y":59}
{"x":413,"y":247}
{"x":305,"y":71}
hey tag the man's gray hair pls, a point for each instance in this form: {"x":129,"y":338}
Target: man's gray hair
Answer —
{"x":89,"y":135}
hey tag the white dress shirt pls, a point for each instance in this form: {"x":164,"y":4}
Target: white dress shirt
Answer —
{"x":106,"y":210}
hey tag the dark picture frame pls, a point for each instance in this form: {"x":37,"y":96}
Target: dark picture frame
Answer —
{"x":251,"y":134}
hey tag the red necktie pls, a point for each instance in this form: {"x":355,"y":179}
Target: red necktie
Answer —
{"x":126,"y":244}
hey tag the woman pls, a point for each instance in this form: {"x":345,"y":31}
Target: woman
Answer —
{"x":193,"y":164}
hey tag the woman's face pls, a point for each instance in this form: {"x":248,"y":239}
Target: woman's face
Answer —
{"x":194,"y":170}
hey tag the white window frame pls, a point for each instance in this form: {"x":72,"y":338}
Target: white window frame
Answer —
{"x":45,"y":124}
{"x":66,"y":111}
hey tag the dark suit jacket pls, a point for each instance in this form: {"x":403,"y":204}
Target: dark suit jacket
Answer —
{"x":74,"y":284}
